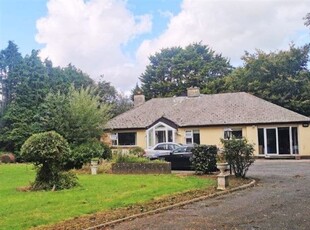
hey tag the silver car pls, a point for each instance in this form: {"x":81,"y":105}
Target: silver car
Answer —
{"x":161,"y":149}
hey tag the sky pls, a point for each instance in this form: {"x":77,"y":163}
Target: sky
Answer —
{"x":114,"y":38}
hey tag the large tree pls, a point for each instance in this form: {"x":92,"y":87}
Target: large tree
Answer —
{"x":78,"y":116}
{"x":9,"y":59}
{"x":26,"y":89}
{"x":26,"y":82}
{"x":119,"y":102}
{"x":281,"y":77}
{"x":172,"y":70}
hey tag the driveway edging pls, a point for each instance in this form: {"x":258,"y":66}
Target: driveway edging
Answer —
{"x":169,"y":207}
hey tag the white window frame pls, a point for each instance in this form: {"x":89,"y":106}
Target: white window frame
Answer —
{"x":153,"y":130}
{"x":232,"y":130}
{"x":114,"y":137}
{"x":277,"y":140}
{"x":189,"y":134}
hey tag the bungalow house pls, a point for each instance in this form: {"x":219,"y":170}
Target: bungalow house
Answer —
{"x":205,"y":119}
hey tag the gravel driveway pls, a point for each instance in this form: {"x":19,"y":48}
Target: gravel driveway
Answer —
{"x":281,"y":200}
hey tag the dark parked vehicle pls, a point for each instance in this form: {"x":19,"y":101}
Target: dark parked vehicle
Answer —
{"x":180,"y":158}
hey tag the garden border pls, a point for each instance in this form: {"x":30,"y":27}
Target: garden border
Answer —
{"x":169,"y":207}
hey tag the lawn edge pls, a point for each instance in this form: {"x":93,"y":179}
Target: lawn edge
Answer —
{"x":169,"y":207}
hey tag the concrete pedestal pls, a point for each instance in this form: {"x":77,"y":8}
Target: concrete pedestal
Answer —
{"x":222,"y":182}
{"x":94,"y":170}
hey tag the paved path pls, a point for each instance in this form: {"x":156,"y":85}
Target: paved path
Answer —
{"x":281,"y":200}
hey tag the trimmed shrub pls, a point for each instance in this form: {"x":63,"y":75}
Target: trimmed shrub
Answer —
{"x":137,"y":151}
{"x":239,"y":154}
{"x":204,"y":159}
{"x":48,"y":151}
{"x":84,"y":152}
{"x":7,"y":158}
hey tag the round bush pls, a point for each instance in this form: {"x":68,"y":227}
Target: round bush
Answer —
{"x":48,"y":151}
{"x":7,"y":158}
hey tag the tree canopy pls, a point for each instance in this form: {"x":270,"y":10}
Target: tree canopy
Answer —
{"x":33,"y":90}
{"x":173,"y":70}
{"x":281,"y":77}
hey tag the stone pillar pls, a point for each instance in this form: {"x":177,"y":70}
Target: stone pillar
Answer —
{"x":222,"y":182}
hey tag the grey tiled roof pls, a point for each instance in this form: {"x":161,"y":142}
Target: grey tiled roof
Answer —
{"x":206,"y":110}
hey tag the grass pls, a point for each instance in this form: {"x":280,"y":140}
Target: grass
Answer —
{"x":22,"y":210}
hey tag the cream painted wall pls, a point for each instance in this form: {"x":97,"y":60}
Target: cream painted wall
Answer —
{"x":250,"y":132}
{"x":212,"y":136}
{"x":141,"y":138}
{"x":304,"y":140}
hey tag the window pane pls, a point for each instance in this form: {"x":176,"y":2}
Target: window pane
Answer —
{"x":196,"y":138}
{"x":284,"y":140}
{"x":151,"y":138}
{"x":189,"y":141}
{"x":188,"y":134}
{"x":261,"y":141}
{"x":160,"y":136}
{"x":295,"y":140}
{"x":271,"y":141}
{"x":160,"y":147}
{"x":237,"y":134}
{"x":170,"y":139}
{"x":126,"y":138}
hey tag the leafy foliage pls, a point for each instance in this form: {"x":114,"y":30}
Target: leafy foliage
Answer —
{"x":239,"y":154}
{"x":9,"y":59}
{"x":137,"y":151}
{"x":281,"y":77}
{"x":84,"y":152}
{"x":39,"y":97}
{"x":204,"y":159}
{"x":136,"y":91}
{"x":126,"y":158}
{"x":49,"y":152}
{"x":107,"y":152}
{"x":86,"y":116}
{"x":26,"y":82}
{"x":173,"y":70}
{"x":109,"y":95}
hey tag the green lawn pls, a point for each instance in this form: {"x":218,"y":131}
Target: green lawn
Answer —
{"x":22,"y":210}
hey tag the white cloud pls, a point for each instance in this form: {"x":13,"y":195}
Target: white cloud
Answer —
{"x":90,"y":35}
{"x":232,"y":26}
